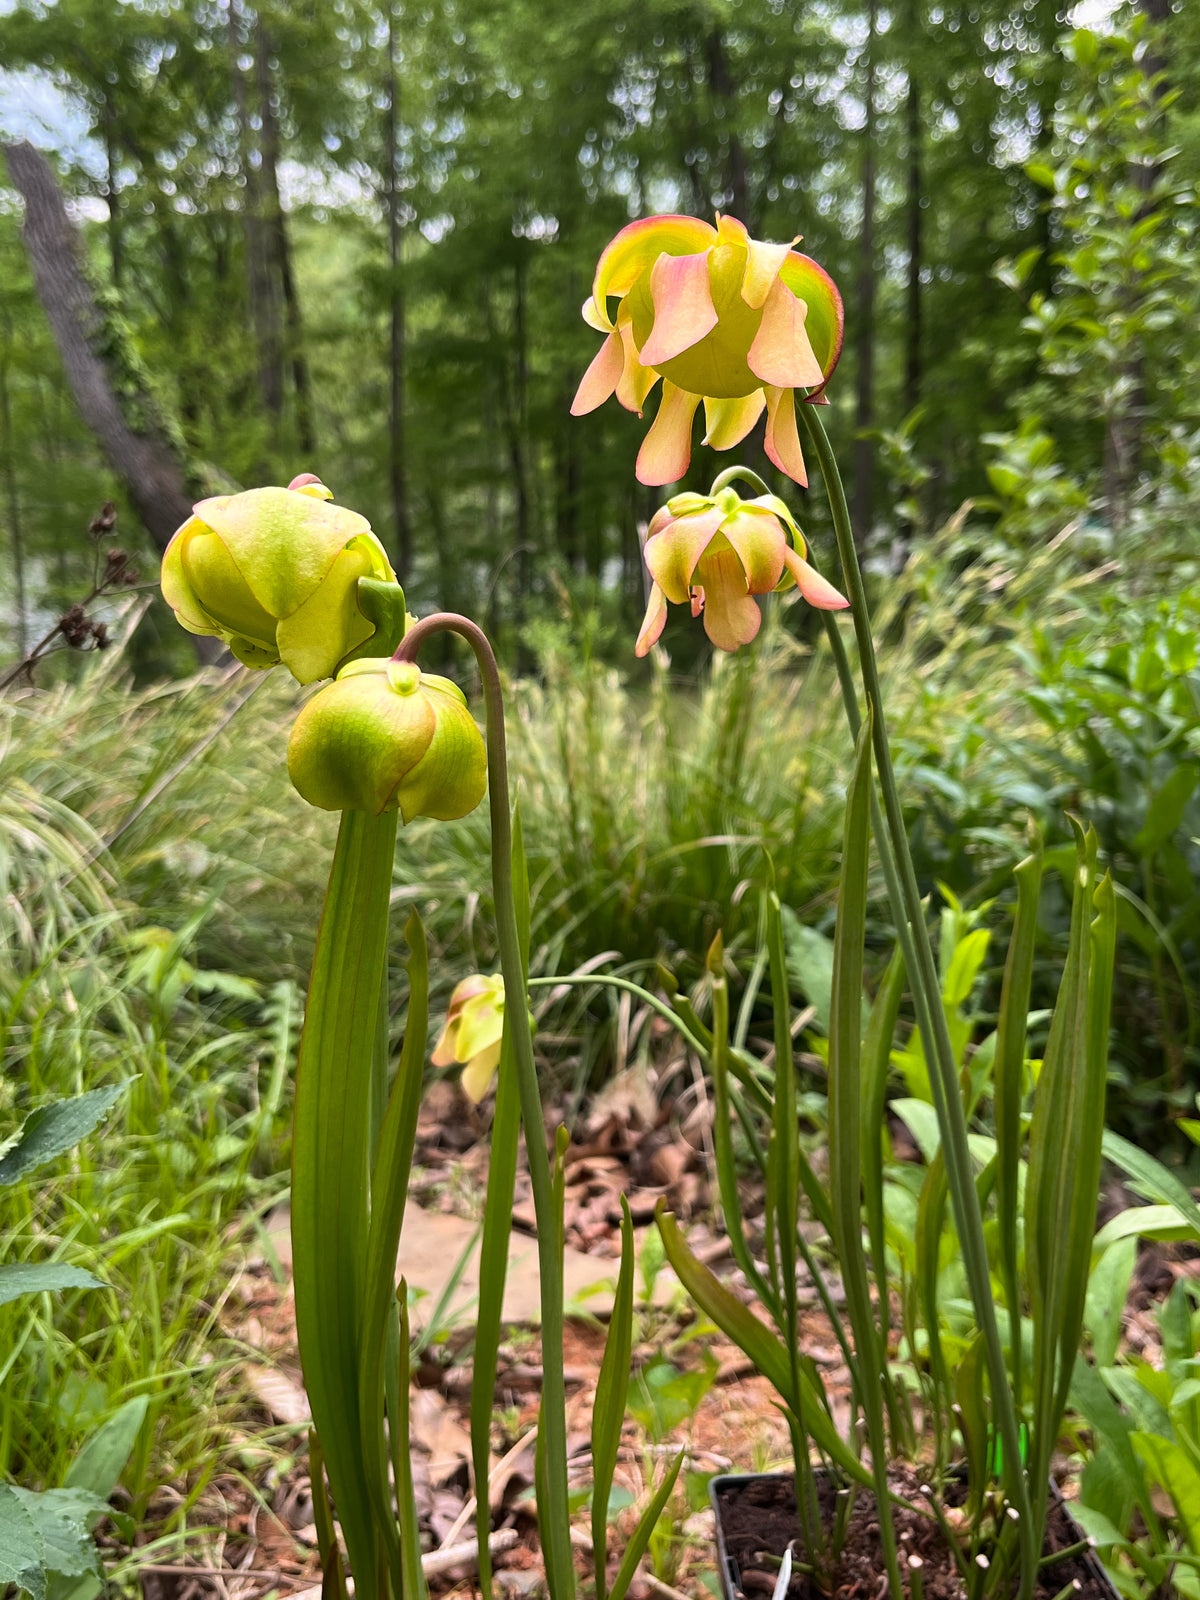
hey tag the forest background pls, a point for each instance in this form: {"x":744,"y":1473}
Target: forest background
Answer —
{"x":355,"y":240}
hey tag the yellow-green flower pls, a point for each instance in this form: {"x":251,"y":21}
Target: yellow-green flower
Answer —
{"x":720,"y":317}
{"x":473,"y":1031}
{"x":718,"y":551}
{"x":385,"y":735}
{"x":274,"y":574}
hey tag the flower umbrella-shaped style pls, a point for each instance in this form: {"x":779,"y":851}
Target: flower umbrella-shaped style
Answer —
{"x":718,"y":551}
{"x":720,"y":317}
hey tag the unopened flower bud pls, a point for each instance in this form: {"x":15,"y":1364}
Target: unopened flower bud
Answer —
{"x":387,"y":735}
{"x":274,"y":573}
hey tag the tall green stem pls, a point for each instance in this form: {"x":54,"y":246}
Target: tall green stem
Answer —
{"x":931,"y":1016}
{"x":554,"y":1519}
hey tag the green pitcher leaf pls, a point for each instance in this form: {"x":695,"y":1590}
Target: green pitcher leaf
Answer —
{"x":608,"y":1409}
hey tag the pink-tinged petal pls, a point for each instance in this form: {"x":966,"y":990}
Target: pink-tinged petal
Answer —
{"x":731,"y":618}
{"x":636,"y":381}
{"x":762,"y":269}
{"x":818,"y":591}
{"x":683,"y":307}
{"x":667,"y":448}
{"x":760,"y":542}
{"x":825,"y":322}
{"x":662,"y":518}
{"x":652,"y":622}
{"x":672,"y":555}
{"x":727,"y":422}
{"x":697,"y":601}
{"x":779,"y":508}
{"x":601,"y":378}
{"x":782,"y":442}
{"x":636,"y":247}
{"x":731,"y":231}
{"x":781,"y":354}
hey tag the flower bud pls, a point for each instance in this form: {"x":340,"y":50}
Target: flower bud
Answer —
{"x":387,"y":735}
{"x":274,"y":574}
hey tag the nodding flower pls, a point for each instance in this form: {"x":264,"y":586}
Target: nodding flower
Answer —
{"x":274,"y":574}
{"x":716,"y":551}
{"x":473,"y":1032}
{"x":719,"y":317}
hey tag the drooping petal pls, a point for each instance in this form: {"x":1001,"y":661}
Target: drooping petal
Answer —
{"x":762,"y":269}
{"x":667,"y":448}
{"x":779,"y":508}
{"x":593,"y":318}
{"x":652,"y":622}
{"x":601,"y":378}
{"x":672,"y":555}
{"x":727,"y":422}
{"x":683,"y":307}
{"x":760,"y":542}
{"x":782,"y":442}
{"x":818,"y":591}
{"x":731,"y":618}
{"x":781,"y":354}
{"x":636,"y":381}
{"x":826,"y":317}
{"x":697,"y":600}
{"x":479,"y":1072}
{"x":637,"y":246}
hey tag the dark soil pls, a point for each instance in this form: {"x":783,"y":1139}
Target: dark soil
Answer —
{"x":759,"y":1520}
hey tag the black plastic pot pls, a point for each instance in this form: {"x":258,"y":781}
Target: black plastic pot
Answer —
{"x":730,"y":1574}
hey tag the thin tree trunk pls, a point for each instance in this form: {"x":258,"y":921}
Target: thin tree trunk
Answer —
{"x":12,"y":499}
{"x":912,"y":353}
{"x":864,"y":448}
{"x":397,"y":484}
{"x":720,"y":82}
{"x":260,"y":283}
{"x":280,"y":245}
{"x":112,"y":199}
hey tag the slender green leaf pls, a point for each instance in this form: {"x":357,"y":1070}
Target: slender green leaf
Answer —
{"x":37,"y":1277}
{"x":608,"y":1408}
{"x":330,"y":1163}
{"x":52,"y":1130}
{"x":759,"y":1345}
{"x":1108,"y":1290}
{"x":876,"y":1059}
{"x":1174,"y":1470}
{"x":414,"y":1586}
{"x":647,"y":1522}
{"x":1009,"y":1086}
{"x":389,"y":1190}
{"x":102,"y":1456}
{"x":1152,"y":1179}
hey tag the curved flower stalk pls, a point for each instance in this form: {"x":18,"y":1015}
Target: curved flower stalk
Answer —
{"x":274,"y":574}
{"x":473,"y":1032}
{"x":720,"y":317}
{"x":717,"y":551}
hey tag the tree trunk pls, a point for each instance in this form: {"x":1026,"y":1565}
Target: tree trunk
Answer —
{"x":864,"y":448}
{"x":279,"y":247}
{"x":912,"y":352}
{"x":260,"y":283}
{"x":397,"y":480}
{"x":12,"y":500}
{"x":720,"y":82}
{"x":126,"y":425}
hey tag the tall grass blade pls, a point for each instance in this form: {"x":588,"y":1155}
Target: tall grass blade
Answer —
{"x":1009,"y":1084}
{"x":845,"y":1129}
{"x":497,"y":1226}
{"x":608,"y":1409}
{"x":640,"y":1538}
{"x":414,"y":1585}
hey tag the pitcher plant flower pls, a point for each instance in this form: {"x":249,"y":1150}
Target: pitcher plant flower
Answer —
{"x":473,"y":1032}
{"x":274,"y":574}
{"x":717,"y":551}
{"x":720,"y":317}
{"x":386,"y":736}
